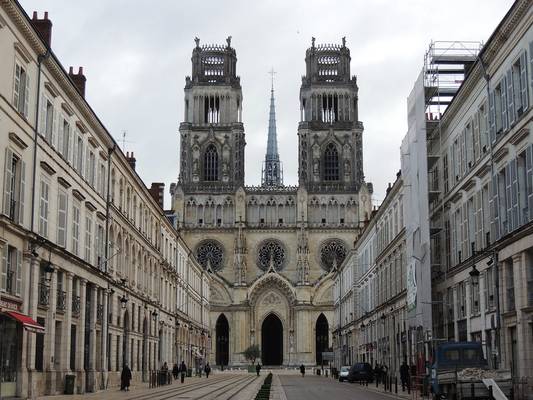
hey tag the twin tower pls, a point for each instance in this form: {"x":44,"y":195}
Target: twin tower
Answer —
{"x":213,"y":142}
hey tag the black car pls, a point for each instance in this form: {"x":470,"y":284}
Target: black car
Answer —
{"x":361,"y":372}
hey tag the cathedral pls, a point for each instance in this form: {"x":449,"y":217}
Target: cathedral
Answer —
{"x":271,"y":248}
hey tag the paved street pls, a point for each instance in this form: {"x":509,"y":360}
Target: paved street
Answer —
{"x":220,"y":387}
{"x":319,"y":388}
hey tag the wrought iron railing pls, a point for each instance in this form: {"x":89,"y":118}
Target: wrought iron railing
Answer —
{"x":76,"y":303}
{"x":61,"y":300}
{"x":44,"y":294}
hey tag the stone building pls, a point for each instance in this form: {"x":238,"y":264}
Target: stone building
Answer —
{"x":481,"y":209}
{"x":93,"y":275}
{"x":370,"y":290}
{"x":273,"y":248}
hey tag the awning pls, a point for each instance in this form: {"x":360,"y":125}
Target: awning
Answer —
{"x":28,"y":323}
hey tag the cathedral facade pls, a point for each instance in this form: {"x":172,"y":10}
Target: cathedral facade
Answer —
{"x":271,"y":249}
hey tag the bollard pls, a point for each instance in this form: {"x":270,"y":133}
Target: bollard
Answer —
{"x":472,"y":391}
{"x":491,"y":396}
{"x":396,"y":385}
{"x":377,"y":381}
{"x":408,"y":385}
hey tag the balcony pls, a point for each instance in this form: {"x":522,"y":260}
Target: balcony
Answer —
{"x":44,"y":295}
{"x":76,"y":303}
{"x":61,"y":301}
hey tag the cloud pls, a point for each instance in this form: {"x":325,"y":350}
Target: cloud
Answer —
{"x":136,"y":56}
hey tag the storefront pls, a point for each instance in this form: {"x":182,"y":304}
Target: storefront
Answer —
{"x":12,"y":324}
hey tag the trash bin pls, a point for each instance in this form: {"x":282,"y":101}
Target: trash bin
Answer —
{"x":69,"y":384}
{"x":318,"y":371}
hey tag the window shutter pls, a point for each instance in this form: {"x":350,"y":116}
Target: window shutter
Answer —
{"x":476,"y":139}
{"x":531,"y":63}
{"x":523,"y":80}
{"x":529,"y":181}
{"x":8,"y":177}
{"x":27,"y":95}
{"x":60,"y":135}
{"x":22,"y":189}
{"x":492,"y":118}
{"x":3,"y":274}
{"x":87,"y":164}
{"x":18,"y":284}
{"x":503,"y":94}
{"x":514,"y":192}
{"x":75,"y":150}
{"x":510,"y":96}
{"x":42,"y":120}
{"x":16,"y":86}
{"x":55,"y":134}
{"x":508,"y":204}
{"x":493,"y":205}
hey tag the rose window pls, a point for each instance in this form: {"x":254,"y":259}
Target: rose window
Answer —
{"x":212,"y":253}
{"x":332,"y":253}
{"x":271,"y":251}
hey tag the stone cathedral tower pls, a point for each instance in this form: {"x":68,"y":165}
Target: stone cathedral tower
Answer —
{"x":271,"y":249}
{"x":212,"y":135}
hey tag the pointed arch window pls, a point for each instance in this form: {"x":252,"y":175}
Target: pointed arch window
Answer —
{"x":331,"y":163}
{"x":211,"y":164}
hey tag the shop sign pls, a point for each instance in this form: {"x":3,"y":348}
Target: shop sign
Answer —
{"x":9,"y":305}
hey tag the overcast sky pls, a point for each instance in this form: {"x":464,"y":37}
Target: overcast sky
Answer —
{"x":136,"y":55}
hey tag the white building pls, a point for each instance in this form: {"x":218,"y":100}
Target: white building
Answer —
{"x":93,"y":275}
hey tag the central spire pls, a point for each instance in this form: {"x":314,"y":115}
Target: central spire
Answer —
{"x":272,"y":169}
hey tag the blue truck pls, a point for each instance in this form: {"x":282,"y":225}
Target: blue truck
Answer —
{"x":460,"y":372}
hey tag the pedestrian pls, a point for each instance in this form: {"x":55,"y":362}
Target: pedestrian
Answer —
{"x":164,"y":374}
{"x":175,"y":371}
{"x":377,"y":373}
{"x":207,"y":370}
{"x":302,"y":370}
{"x":404,"y":375}
{"x":125,"y":378}
{"x":183,"y":371}
{"x":258,"y":368}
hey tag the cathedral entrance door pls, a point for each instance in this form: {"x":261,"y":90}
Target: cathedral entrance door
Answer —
{"x":222,"y":340}
{"x":272,"y":341}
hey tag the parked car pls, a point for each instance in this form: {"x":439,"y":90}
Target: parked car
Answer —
{"x":361,"y":372}
{"x":343,"y":374}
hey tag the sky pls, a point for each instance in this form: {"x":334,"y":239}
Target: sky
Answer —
{"x":136,"y":55}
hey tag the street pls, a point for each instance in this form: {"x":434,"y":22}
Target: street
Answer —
{"x":320,"y":388}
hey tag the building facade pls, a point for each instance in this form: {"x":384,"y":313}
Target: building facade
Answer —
{"x":481,"y":210}
{"x":93,"y":274}
{"x":370,"y":287}
{"x":272,"y":248}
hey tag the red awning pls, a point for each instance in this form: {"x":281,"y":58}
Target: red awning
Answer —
{"x":28,"y":323}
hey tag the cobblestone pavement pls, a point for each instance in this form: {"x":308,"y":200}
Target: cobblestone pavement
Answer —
{"x":223,"y":386}
{"x":320,"y":388}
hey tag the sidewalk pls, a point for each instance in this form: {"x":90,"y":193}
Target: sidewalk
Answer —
{"x":400,"y":395}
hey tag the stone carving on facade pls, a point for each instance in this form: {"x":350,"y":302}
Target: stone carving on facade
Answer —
{"x":271,"y":299}
{"x":195,"y":160}
{"x":316,"y":161}
{"x":302,"y":256}
{"x":239,"y":258}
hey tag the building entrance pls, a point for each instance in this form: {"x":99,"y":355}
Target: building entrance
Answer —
{"x":272,"y":341}
{"x":222,"y":340}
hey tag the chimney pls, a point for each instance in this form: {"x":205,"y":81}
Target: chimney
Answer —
{"x":131,"y":159}
{"x":43,"y":27}
{"x":79,"y":80}
{"x":157,"y":190}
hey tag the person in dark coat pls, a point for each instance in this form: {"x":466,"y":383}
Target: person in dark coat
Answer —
{"x":125,"y":378}
{"x":302,"y":370}
{"x":377,"y":373}
{"x":404,"y":375}
{"x":183,"y":371}
{"x":175,"y":370}
{"x":258,"y":368}
{"x":207,"y":370}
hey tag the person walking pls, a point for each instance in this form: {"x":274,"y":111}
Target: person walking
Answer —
{"x":302,"y":370}
{"x":377,"y":373}
{"x":175,"y":371}
{"x":207,"y":370}
{"x":183,"y":371}
{"x":125,"y":378}
{"x":258,"y":368}
{"x":404,"y":375}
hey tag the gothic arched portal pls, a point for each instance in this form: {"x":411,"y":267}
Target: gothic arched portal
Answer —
{"x":222,"y":340}
{"x":322,"y":337}
{"x":272,"y":341}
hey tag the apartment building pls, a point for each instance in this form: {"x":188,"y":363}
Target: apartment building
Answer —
{"x":370,"y":290}
{"x":93,"y":274}
{"x":480,"y":178}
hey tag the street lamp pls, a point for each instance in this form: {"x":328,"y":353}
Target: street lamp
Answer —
{"x":48,"y":270}
{"x":154,"y":315}
{"x":123,"y":301}
{"x":474,"y":274}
